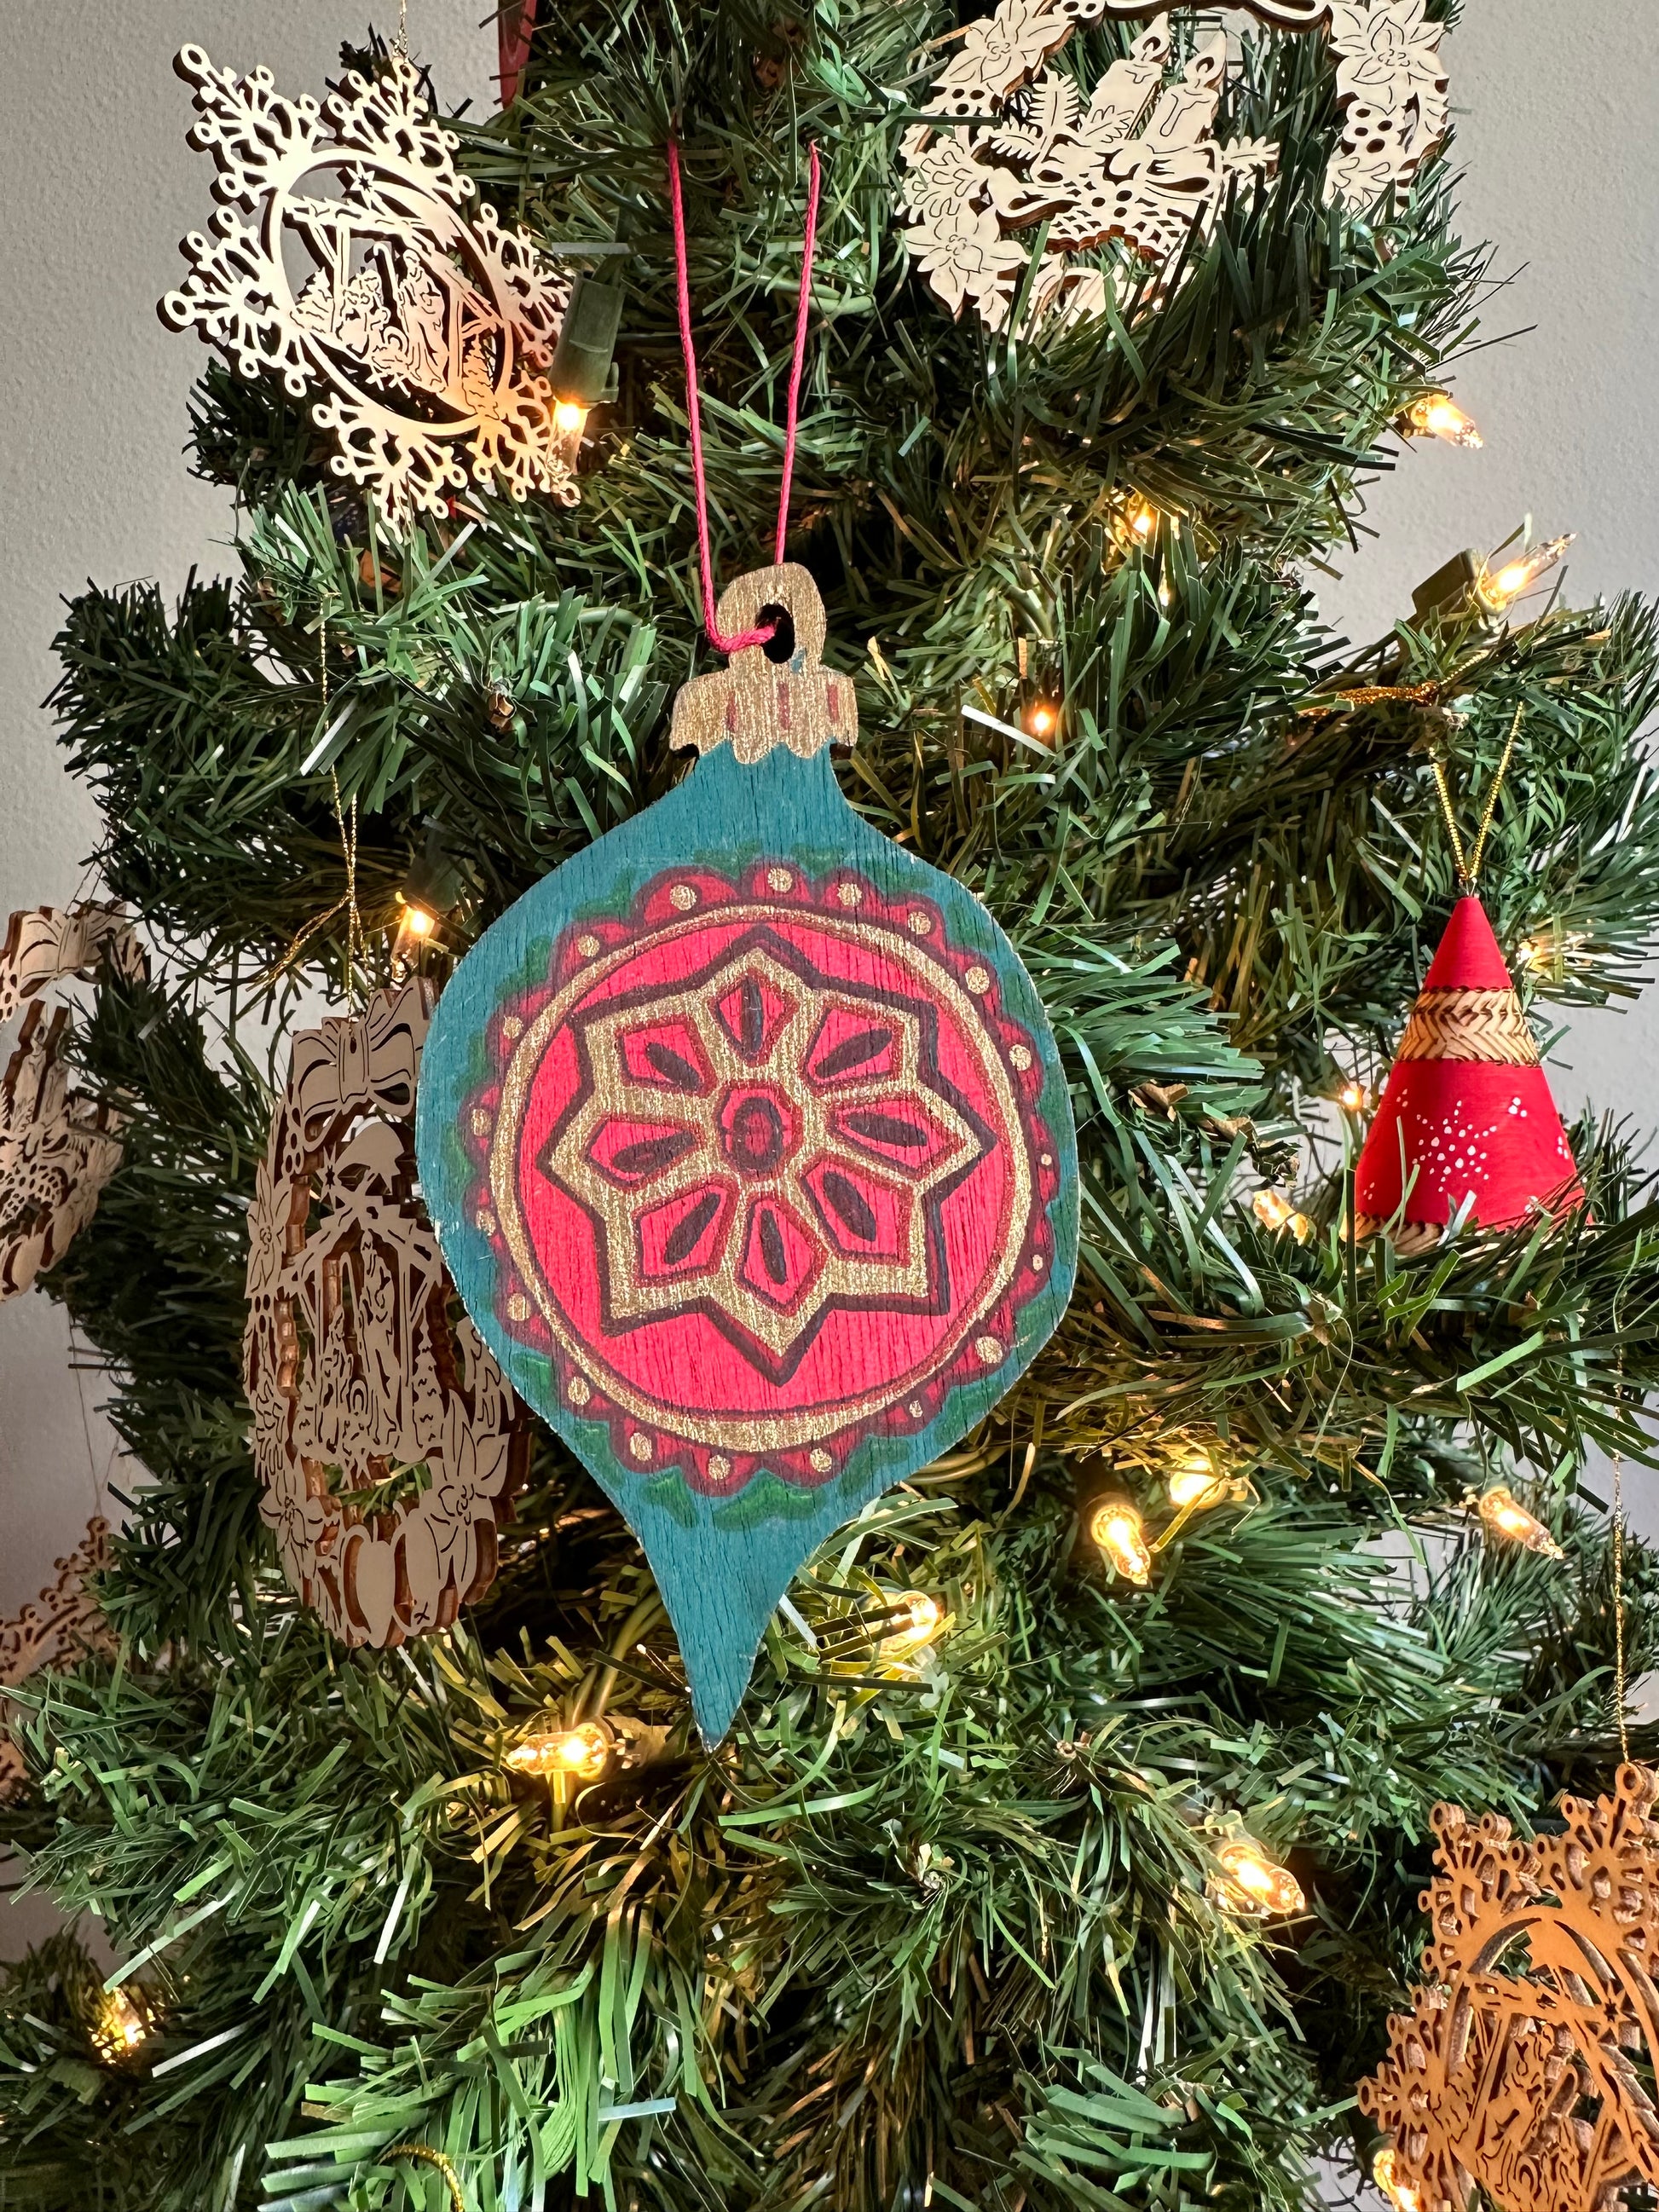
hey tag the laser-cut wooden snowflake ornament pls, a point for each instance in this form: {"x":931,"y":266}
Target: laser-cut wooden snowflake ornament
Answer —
{"x":388,"y":1441}
{"x":57,"y":1149}
{"x":1519,"y":2068}
{"x":1016,"y":145}
{"x":421,"y":323}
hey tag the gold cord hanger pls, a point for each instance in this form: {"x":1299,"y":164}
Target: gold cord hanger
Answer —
{"x":1468,"y":864}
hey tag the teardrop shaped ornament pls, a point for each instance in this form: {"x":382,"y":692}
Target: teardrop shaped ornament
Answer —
{"x":748,"y":1147}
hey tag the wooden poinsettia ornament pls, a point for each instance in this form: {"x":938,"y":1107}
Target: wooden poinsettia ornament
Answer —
{"x":748,"y":1147}
{"x":1467,"y":1119}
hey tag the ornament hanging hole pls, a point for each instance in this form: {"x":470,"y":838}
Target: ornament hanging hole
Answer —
{"x":779,"y":648}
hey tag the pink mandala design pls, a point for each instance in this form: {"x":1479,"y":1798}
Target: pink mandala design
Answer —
{"x":763,"y":1172}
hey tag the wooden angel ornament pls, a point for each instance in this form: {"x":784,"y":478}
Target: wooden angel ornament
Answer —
{"x":747,"y":1142}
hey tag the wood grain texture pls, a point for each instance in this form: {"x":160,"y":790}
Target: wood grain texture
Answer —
{"x":1520,"y":2065}
{"x":388,"y":1443}
{"x":748,"y":1144}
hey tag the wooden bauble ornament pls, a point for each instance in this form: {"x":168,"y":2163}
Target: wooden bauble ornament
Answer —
{"x":388,"y":1443}
{"x":1018,"y":148}
{"x":58,"y":1148}
{"x":1466,"y":1117}
{"x":1519,"y":2069}
{"x":368,"y":275}
{"x":748,"y":1143}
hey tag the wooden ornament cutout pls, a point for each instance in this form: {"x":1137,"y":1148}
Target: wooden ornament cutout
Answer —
{"x":1519,"y":2068}
{"x":760,"y":700}
{"x":748,"y":1144}
{"x":421,"y":323}
{"x":58,"y":1148}
{"x":62,"y":1625}
{"x":388,"y":1442}
{"x":1017,"y":147}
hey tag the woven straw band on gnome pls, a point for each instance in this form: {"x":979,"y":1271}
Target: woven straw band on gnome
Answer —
{"x":1408,"y":1237}
{"x":1467,"y":1024}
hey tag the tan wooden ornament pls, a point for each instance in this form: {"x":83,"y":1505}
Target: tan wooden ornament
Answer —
{"x":1520,"y":2068}
{"x":421,"y":322}
{"x":57,"y":1149}
{"x":1016,"y":146}
{"x":757,"y":702}
{"x":387,"y":1440}
{"x":58,"y":1629}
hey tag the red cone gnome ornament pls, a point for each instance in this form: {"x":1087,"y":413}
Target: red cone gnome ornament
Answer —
{"x":1467,"y":1115}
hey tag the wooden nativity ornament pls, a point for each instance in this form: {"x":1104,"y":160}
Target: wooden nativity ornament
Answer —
{"x":57,"y":1147}
{"x":366,"y":276}
{"x":748,"y":1144}
{"x":387,"y":1441}
{"x":1020,"y":147}
{"x":1524,"y":2065}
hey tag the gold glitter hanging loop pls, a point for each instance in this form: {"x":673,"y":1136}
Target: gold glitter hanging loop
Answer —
{"x":1468,"y":864}
{"x":428,"y":2156}
{"x":354,"y":922}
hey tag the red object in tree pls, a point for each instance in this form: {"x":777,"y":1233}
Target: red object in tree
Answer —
{"x":515,"y":26}
{"x":1467,"y":1115}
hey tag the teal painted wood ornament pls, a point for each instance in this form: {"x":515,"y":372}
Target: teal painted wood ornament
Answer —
{"x":749,"y":1148}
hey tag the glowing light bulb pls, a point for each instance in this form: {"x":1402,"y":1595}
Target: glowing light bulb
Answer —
{"x":1385,"y":2172}
{"x":1116,"y":1529}
{"x":415,"y":926}
{"x":120,"y":2029}
{"x":1198,"y":1485}
{"x":1505,"y":1517}
{"x":1140,"y":518}
{"x":916,"y":1618}
{"x":1501,"y":591}
{"x":1042,"y":720}
{"x":570,"y":417}
{"x":1352,"y":1098}
{"x":1438,"y":415}
{"x":582,"y":1753}
{"x":1255,"y":1883}
{"x":1272,"y":1208}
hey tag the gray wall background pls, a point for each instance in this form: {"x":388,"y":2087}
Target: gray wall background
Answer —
{"x":1558,"y":112}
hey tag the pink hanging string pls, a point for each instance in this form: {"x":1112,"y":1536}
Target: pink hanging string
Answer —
{"x":693,"y":405}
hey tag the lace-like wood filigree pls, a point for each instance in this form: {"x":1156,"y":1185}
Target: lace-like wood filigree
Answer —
{"x":62,"y":1624}
{"x":57,"y":1149}
{"x":1519,"y":2068}
{"x":421,"y":322}
{"x":387,"y":1438}
{"x":1017,"y":145}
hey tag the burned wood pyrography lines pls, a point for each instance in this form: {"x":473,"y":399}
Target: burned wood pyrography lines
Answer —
{"x":748,"y":1144}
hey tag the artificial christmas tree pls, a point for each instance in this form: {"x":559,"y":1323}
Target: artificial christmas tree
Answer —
{"x":1065,"y":1845}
